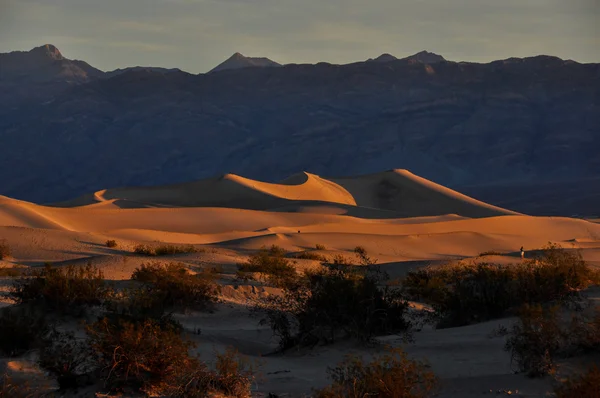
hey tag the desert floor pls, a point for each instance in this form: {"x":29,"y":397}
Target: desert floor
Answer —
{"x":403,"y":221}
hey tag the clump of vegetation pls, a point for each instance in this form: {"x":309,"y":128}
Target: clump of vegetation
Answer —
{"x":154,"y":357}
{"x":175,"y":287}
{"x":67,"y":290}
{"x":21,"y":330}
{"x":392,"y":375}
{"x":111,"y":243}
{"x":468,"y":293}
{"x":339,"y":300}
{"x":12,"y":272}
{"x":164,"y":250}
{"x":319,"y":246}
{"x":490,"y":253}
{"x":586,"y":385}
{"x":271,"y":263}
{"x":310,"y":256}
{"x":67,"y":358}
{"x":4,"y":250}
{"x":11,"y":389}
{"x":541,"y":335}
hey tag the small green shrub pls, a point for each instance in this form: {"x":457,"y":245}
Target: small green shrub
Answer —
{"x":4,"y":250}
{"x":67,"y":290}
{"x":21,"y":329}
{"x":111,"y":243}
{"x":586,"y":385}
{"x":67,"y":358}
{"x":277,"y":269}
{"x":392,"y":375}
{"x":173,"y":286}
{"x":469,"y":293}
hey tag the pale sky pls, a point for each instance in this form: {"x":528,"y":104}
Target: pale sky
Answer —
{"x":196,"y":35}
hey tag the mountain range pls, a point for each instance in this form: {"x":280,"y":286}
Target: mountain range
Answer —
{"x":520,"y":125}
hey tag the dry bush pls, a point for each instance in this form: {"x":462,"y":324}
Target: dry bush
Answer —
{"x":138,"y":355}
{"x":111,"y":243}
{"x":233,"y":376}
{"x":469,"y":293}
{"x":339,"y":300}
{"x":12,"y":272}
{"x":67,"y":358}
{"x":490,"y":253}
{"x":11,"y":389}
{"x":392,"y":375}
{"x":319,"y":246}
{"x":4,"y":250}
{"x":310,"y":256}
{"x":542,"y":335}
{"x":67,"y":290}
{"x":586,"y":385}
{"x":154,"y":358}
{"x":164,"y":250}
{"x":21,"y":329}
{"x":175,"y":287}
{"x":271,"y":263}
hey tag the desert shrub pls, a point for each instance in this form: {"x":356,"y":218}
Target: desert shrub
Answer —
{"x":319,"y":246}
{"x":67,"y":290}
{"x":21,"y":330}
{"x":12,"y":389}
{"x":490,"y":253}
{"x":164,"y":250}
{"x":271,"y":263}
{"x":233,"y":376}
{"x":363,"y":258}
{"x":12,"y":272}
{"x":173,"y":286}
{"x":586,"y":385}
{"x":111,"y":243}
{"x":392,"y":375}
{"x":67,"y":358}
{"x":4,"y":250}
{"x":138,"y":355}
{"x":541,"y":335}
{"x":310,"y":256}
{"x":339,"y":300}
{"x":469,"y":293}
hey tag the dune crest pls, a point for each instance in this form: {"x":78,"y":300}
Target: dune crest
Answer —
{"x":390,"y":194}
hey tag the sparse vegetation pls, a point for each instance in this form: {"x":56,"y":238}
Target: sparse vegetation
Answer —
{"x":12,"y":272}
{"x":164,"y":250}
{"x":4,"y":250}
{"x":174,"y":287}
{"x":339,"y":300}
{"x":319,"y":246}
{"x":542,"y":335}
{"x":392,"y":375}
{"x":21,"y":330}
{"x":111,"y":243}
{"x":67,"y":358}
{"x":490,"y":253}
{"x":271,"y":263}
{"x":310,"y":256}
{"x":586,"y":385}
{"x":469,"y":293}
{"x":67,"y":290}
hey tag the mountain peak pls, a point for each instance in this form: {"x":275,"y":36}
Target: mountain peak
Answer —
{"x":385,"y":57}
{"x":239,"y":61}
{"x":49,"y":51}
{"x":426,"y":57}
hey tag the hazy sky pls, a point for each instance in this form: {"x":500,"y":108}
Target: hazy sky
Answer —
{"x":196,"y":35}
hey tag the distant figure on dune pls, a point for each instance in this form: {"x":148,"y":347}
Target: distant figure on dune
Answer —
{"x":522,"y":252}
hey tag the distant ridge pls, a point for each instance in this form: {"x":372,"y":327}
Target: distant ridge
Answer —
{"x":120,"y":71}
{"x":239,"y":61}
{"x":425,"y":57}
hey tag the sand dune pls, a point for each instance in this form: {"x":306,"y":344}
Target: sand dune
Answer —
{"x":392,"y":194}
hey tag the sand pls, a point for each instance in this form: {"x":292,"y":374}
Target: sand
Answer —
{"x":402,"y":220}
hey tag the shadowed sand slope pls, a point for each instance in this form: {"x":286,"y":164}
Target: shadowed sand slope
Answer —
{"x":392,"y":194}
